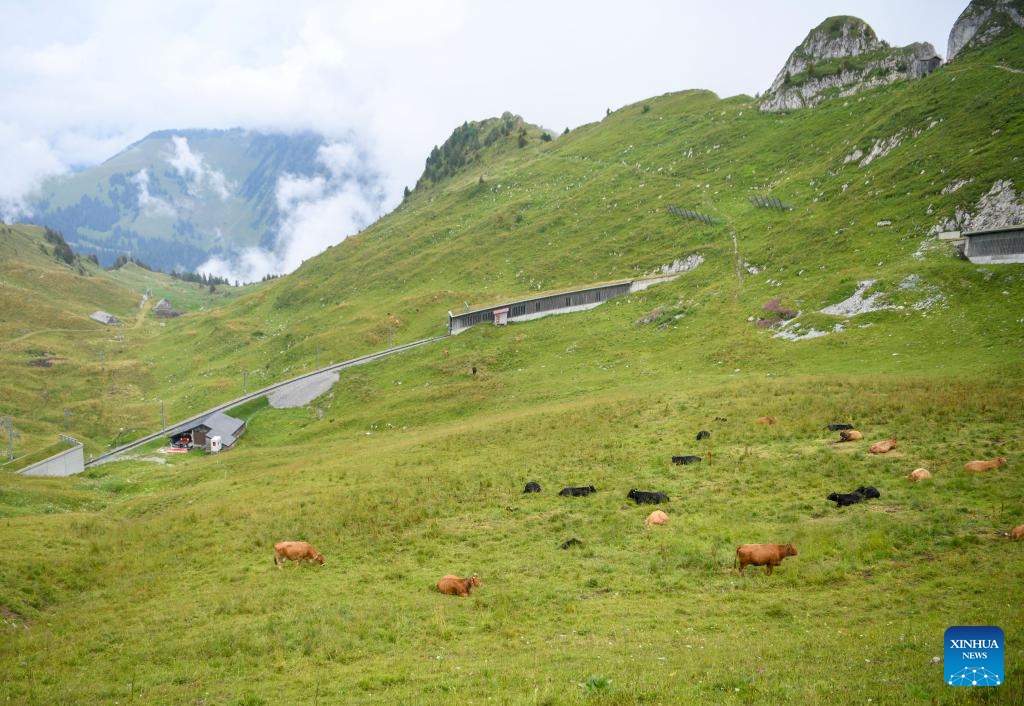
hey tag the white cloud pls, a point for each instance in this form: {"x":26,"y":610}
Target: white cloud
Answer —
{"x":148,"y":204}
{"x":316,"y":212}
{"x":192,"y":167}
{"x":84,"y":78}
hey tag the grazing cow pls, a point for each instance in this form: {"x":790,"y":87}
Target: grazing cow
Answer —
{"x":883,"y":447}
{"x":703,"y":434}
{"x":767,"y":555}
{"x":532,"y":487}
{"x":850,"y":435}
{"x":643,"y":496}
{"x":453,"y":585}
{"x":571,"y":542}
{"x":296,"y":551}
{"x":685,"y":460}
{"x":844,"y":499}
{"x":919,"y":474}
{"x":1017,"y":532}
{"x":868,"y":492}
{"x":578,"y":491}
{"x":838,"y":427}
{"x":982,"y":466}
{"x":658,"y":517}
{"x":766,"y":420}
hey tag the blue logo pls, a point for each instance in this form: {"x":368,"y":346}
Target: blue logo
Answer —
{"x":974,"y":655}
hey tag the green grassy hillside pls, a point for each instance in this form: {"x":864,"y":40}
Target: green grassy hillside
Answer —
{"x":153,"y":582}
{"x":62,"y":372}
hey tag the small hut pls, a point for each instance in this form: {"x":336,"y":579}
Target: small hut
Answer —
{"x":105,"y":318}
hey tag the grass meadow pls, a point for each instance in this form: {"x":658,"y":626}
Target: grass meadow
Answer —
{"x":150,"y":580}
{"x":154,"y":583}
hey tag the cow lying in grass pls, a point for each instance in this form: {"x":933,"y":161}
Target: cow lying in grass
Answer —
{"x":644,"y":496}
{"x":883,"y":447}
{"x":861,"y":493}
{"x":850,"y":435}
{"x":578,"y":491}
{"x":685,"y":460}
{"x":844,"y":499}
{"x":453,"y":585}
{"x":919,"y":474}
{"x":296,"y":551}
{"x":532,"y":487}
{"x":868,"y":492}
{"x":767,"y":555}
{"x":982,"y":466}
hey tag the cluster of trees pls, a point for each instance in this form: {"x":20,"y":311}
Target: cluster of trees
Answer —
{"x":465,"y":144}
{"x":61,"y":250}
{"x":122,"y":260}
{"x":203,"y":278}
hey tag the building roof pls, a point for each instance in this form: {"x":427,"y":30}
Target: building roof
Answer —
{"x":216,"y":424}
{"x":104,"y":318}
{"x":162,"y":304}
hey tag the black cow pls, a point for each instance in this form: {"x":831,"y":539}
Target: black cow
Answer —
{"x":844,"y":499}
{"x":577,"y":491}
{"x":571,"y":542}
{"x":868,"y":492}
{"x":703,"y":434}
{"x":532,"y":487}
{"x":684,"y":460}
{"x":643,"y":496}
{"x":838,"y":427}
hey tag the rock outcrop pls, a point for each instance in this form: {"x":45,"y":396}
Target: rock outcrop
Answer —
{"x":983,"y":21}
{"x":840,"y":57}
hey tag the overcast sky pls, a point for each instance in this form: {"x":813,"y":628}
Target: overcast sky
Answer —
{"x":83,"y":79}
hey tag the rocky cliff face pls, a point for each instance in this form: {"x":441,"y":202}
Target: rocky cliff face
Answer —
{"x":840,"y":57}
{"x":983,"y":21}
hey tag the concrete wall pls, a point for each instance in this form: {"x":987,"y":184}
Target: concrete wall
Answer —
{"x":66,"y":463}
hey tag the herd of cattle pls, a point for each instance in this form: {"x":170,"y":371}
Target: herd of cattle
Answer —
{"x":767,"y":555}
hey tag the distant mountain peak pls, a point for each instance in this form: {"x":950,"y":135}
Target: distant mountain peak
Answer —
{"x":981,"y":22}
{"x":840,"y":57}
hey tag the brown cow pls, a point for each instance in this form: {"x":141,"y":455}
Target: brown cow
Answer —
{"x":453,"y":585}
{"x":1017,"y":532}
{"x":883,"y":447}
{"x":851,"y":435}
{"x":658,"y":517}
{"x":766,"y":420}
{"x":296,"y":551}
{"x":767,"y":555}
{"x":919,"y":474}
{"x":982,"y":466}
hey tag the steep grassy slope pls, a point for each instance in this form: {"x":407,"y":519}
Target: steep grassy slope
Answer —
{"x":156,"y":584}
{"x":592,"y":206}
{"x":60,"y":371}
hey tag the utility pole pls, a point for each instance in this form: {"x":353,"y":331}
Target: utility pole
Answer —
{"x":245,"y":381}
{"x":316,"y":365}
{"x":8,"y":424}
{"x":67,"y":413}
{"x":163,"y":424}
